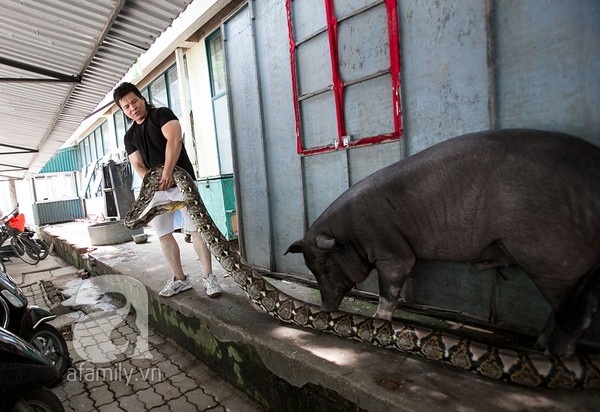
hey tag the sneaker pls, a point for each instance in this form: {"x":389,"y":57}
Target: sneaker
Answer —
{"x":212,"y":287}
{"x":175,"y":286}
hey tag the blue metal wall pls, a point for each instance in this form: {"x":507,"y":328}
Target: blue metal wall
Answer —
{"x":466,"y":66}
{"x":65,"y":160}
{"x":59,"y":211}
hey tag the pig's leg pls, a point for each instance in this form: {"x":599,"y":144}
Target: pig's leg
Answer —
{"x":571,"y":322}
{"x":574,"y":317}
{"x":393,"y":272}
{"x":573,"y":308}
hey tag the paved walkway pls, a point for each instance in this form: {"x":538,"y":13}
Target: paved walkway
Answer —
{"x":172,"y":380}
{"x":169,"y":379}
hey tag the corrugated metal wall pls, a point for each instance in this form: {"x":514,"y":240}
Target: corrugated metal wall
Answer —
{"x":466,"y":66}
{"x":65,"y":160}
{"x":90,"y":43}
{"x":59,"y":211}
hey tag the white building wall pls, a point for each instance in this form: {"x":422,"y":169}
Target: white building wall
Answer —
{"x":5,"y":200}
{"x":25,"y":199}
{"x":201,"y":102}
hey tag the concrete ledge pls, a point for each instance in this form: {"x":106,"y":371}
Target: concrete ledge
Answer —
{"x":288,"y":368}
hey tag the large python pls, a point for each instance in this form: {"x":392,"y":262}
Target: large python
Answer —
{"x":531,"y":369}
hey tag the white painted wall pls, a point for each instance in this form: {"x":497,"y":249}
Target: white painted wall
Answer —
{"x":204,"y":130}
{"x":5,"y":200}
{"x":25,"y":199}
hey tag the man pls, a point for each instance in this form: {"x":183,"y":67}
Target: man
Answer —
{"x":154,"y":138}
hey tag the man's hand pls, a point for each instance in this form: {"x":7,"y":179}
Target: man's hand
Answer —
{"x":166,"y":181}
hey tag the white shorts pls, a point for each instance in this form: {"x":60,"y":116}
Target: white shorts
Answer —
{"x":164,"y":223}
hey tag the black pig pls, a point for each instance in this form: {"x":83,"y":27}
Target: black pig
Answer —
{"x":510,"y":197}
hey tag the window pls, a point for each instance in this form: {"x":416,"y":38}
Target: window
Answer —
{"x":104,"y":132}
{"x":84,"y":152}
{"x":345,"y":66}
{"x":164,"y":91}
{"x":173,"y":88}
{"x":51,"y":187}
{"x":158,"y":92}
{"x":120,"y":127}
{"x":216,"y":66}
{"x":93,"y":146}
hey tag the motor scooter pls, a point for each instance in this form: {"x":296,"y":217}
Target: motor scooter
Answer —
{"x":30,"y":323}
{"x":24,"y":376}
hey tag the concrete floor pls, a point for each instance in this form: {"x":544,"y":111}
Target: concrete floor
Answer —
{"x":165,"y":378}
{"x":289,"y":368}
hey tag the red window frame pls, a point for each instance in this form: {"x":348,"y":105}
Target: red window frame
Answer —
{"x":337,"y":84}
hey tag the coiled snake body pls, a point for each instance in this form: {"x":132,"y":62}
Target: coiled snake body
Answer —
{"x":521,"y":368}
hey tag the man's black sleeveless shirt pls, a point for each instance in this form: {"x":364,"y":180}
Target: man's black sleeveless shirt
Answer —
{"x":149,"y":140}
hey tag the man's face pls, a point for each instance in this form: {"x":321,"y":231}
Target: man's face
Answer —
{"x":134,"y":107}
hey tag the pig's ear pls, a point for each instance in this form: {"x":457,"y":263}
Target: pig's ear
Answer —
{"x":325,"y":242}
{"x":296,"y":247}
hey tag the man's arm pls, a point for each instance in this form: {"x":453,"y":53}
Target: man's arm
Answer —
{"x":138,"y":163}
{"x":172,"y":132}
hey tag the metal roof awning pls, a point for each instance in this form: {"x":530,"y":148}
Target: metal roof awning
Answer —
{"x":58,"y":60}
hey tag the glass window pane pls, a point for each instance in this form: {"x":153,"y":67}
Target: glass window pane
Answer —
{"x":223,"y":133}
{"x":104,"y":131}
{"x":174,"y":92}
{"x":55,"y":187}
{"x":41,"y":189}
{"x":217,"y":65}
{"x":120,"y":128}
{"x":81,"y":154}
{"x":86,"y":151}
{"x":146,"y":94}
{"x":186,"y":73}
{"x":62,"y":186}
{"x":98,"y":140}
{"x":158,"y":91}
{"x":92,"y":147}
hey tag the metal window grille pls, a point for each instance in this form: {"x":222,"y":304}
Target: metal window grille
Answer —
{"x":345,"y":112}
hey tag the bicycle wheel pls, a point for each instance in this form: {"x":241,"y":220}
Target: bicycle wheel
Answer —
{"x":43,"y":247}
{"x":26,"y":249}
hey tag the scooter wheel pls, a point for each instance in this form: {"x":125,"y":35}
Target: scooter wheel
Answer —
{"x":49,"y":341}
{"x":41,"y":400}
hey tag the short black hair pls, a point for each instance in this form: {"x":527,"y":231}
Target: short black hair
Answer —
{"x":123,"y":90}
